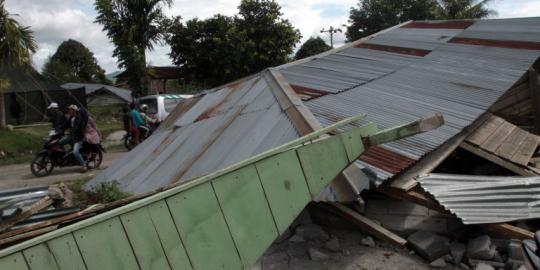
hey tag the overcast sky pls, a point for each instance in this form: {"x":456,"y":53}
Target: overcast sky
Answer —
{"x":54,"y":21}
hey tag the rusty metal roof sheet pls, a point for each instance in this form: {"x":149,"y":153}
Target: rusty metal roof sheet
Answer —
{"x":421,"y":72}
{"x":485,"y":199}
{"x":220,"y":128}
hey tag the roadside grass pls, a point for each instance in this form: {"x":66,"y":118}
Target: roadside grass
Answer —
{"x":21,"y":144}
{"x":100,"y":194}
{"x":18,"y":146}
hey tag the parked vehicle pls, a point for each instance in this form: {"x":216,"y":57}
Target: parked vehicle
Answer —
{"x":160,"y":106}
{"x":53,"y":155}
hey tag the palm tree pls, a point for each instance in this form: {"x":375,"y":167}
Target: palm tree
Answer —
{"x":17,"y":45}
{"x":464,"y":9}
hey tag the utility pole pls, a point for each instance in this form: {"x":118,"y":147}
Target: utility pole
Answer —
{"x":332,"y":31}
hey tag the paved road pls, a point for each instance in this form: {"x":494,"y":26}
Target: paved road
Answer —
{"x":19,"y":175}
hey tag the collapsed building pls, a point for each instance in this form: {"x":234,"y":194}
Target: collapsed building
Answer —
{"x":480,"y":75}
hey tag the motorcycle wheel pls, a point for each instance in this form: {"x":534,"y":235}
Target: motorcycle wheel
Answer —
{"x":129,"y":142}
{"x":95,"y":160}
{"x":41,"y":165}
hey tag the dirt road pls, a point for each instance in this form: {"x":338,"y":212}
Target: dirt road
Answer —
{"x":19,"y":175}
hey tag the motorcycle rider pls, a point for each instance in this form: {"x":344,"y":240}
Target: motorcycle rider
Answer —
{"x":138,"y":121}
{"x":57,"y":117}
{"x":149,"y":120}
{"x":77,"y":126}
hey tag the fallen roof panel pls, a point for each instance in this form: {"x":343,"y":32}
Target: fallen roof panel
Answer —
{"x":485,"y":199}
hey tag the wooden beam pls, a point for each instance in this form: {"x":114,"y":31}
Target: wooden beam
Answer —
{"x":497,"y":160}
{"x":406,"y":180}
{"x":509,"y":231}
{"x":26,"y":213}
{"x":534,"y":85}
{"x":365,"y":223}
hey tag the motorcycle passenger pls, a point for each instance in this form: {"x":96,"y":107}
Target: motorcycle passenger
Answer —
{"x":138,"y":122}
{"x":77,"y":128}
{"x":57,"y":118}
{"x":150,"y":121}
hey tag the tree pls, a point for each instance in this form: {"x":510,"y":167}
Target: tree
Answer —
{"x":269,"y":39}
{"x":220,"y":49}
{"x":17,"y":45}
{"x":134,"y":26}
{"x":208,"y":50}
{"x":73,"y":62}
{"x":463,"y":9}
{"x":372,"y":16}
{"x":311,"y":47}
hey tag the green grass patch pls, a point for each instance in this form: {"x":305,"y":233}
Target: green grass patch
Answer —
{"x":18,"y":146}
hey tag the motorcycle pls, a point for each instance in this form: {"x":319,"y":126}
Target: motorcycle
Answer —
{"x":129,"y":139}
{"x":53,"y":155}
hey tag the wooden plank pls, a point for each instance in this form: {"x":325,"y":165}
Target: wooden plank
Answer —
{"x":105,"y":246}
{"x":534,"y":86}
{"x":365,"y":224}
{"x":498,"y":137}
{"x":26,"y":235}
{"x":481,"y":134}
{"x":66,"y":253}
{"x":26,"y":213}
{"x":510,"y":146}
{"x":144,"y":239}
{"x":168,"y":236}
{"x":322,"y":162}
{"x":242,"y":200}
{"x":406,"y":180}
{"x":526,"y":150}
{"x":203,"y":229}
{"x":40,"y":257}
{"x":509,"y":231}
{"x":497,"y":160}
{"x":285,"y":187}
{"x":353,"y":140}
{"x":14,"y":261}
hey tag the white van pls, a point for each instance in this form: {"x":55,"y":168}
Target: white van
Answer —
{"x":160,"y":106}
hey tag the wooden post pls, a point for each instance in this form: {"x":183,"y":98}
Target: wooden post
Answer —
{"x":534,"y":86}
{"x":3,"y":123}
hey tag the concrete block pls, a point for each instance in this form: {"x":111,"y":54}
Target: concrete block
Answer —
{"x":515,"y":251}
{"x":481,"y":248}
{"x":390,"y":222}
{"x":406,"y":208}
{"x":457,"y":250}
{"x":379,"y":207}
{"x":425,"y":223}
{"x":429,"y":245}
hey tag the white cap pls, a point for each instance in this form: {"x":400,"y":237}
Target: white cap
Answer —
{"x":73,"y":107}
{"x":53,"y":105}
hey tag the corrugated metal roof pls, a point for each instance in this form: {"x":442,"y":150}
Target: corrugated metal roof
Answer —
{"x":222,"y":128}
{"x":460,"y":81}
{"x":485,"y":199}
{"x":90,"y":88}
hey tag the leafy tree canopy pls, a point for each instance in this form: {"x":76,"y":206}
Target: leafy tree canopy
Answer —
{"x":17,"y":44}
{"x":372,"y":16}
{"x":312,"y":46}
{"x":134,"y":26}
{"x":73,"y":62}
{"x":221,"y":48}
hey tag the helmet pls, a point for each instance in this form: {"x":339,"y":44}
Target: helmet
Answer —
{"x":144,"y":107}
{"x":53,"y":105}
{"x":73,"y":107}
